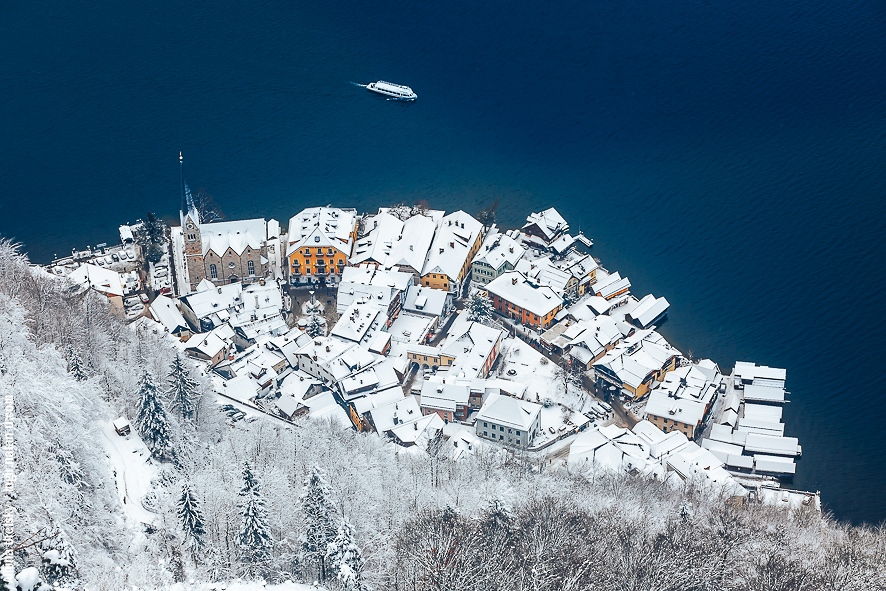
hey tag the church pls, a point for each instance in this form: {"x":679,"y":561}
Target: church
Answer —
{"x":222,"y":252}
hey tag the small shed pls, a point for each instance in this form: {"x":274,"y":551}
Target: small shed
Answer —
{"x":121,"y":426}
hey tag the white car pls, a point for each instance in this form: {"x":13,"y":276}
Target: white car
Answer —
{"x":131,"y":301}
{"x":138,"y":307}
{"x":161,"y":274}
{"x":130,"y":253}
{"x":143,"y":297}
{"x":100,"y":261}
{"x":109,"y":260}
{"x":123,"y":255}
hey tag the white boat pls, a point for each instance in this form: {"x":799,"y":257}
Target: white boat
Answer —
{"x":395,"y":91}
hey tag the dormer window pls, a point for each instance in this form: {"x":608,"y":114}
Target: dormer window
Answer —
{"x":316,"y":239}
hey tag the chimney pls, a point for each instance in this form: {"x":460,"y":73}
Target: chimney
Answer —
{"x":452,"y":245}
{"x":219,"y":290}
{"x":513,"y":281}
{"x":441,"y":250}
{"x":511,"y":249}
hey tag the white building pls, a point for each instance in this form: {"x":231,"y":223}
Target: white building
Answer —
{"x":498,"y":253}
{"x":508,"y":420}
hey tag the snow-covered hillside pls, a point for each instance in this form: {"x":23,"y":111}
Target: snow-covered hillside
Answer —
{"x":187,"y":497}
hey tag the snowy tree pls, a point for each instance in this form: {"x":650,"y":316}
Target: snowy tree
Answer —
{"x":182,"y":390}
{"x":191,"y":519}
{"x":344,"y":559}
{"x":479,"y":309}
{"x":254,"y":539}
{"x":321,"y":520}
{"x":315,"y":326}
{"x":151,"y":420}
{"x":76,"y":367}
{"x":151,"y":236}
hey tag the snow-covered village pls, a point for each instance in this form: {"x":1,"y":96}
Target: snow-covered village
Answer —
{"x":345,"y":399}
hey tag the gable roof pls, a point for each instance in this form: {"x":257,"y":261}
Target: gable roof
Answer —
{"x":237,"y":235}
{"x":452,"y":244}
{"x":504,"y":410}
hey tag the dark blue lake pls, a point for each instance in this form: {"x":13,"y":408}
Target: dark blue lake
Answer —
{"x":731,"y":157}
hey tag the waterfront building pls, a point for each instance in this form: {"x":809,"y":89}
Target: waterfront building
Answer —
{"x":684,"y":398}
{"x":498,"y":253}
{"x":320,"y":240}
{"x":517,"y":297}
{"x":457,"y":240}
{"x":636,"y":363}
{"x":542,"y":229}
{"x":220,"y":252}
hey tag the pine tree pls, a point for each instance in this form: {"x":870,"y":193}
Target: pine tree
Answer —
{"x":321,"y":520}
{"x":254,"y":539}
{"x":479,"y":309}
{"x":151,"y":420}
{"x":315,"y":326}
{"x":182,"y":389}
{"x":76,"y":367}
{"x":344,"y":559}
{"x":191,"y":518}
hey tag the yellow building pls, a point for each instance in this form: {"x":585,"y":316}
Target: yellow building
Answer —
{"x":456,"y":241}
{"x":320,"y":242}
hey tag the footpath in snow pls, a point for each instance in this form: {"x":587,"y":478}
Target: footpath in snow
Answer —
{"x":132,"y":474}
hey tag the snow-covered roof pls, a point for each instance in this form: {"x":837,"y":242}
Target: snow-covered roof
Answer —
{"x":470,"y":344}
{"x":411,"y":250}
{"x":436,"y":395}
{"x":511,"y":412}
{"x":750,"y":372}
{"x":427,"y":301}
{"x":383,"y":231}
{"x":498,"y":249}
{"x":419,"y":432}
{"x":452,"y":244}
{"x":238,"y":235}
{"x":410,"y":328}
{"x":360,"y":322}
{"x":100,"y":279}
{"x":648,"y":310}
{"x":333,"y":223}
{"x":549,"y":222}
{"x":396,"y":413}
{"x":514,"y":287}
{"x":164,"y":311}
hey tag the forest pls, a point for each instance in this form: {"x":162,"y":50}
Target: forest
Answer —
{"x":315,"y":503}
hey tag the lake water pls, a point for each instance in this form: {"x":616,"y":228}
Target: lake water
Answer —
{"x":729,"y":157}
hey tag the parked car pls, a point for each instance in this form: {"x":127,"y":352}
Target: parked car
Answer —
{"x":100,"y":261}
{"x":130,"y":253}
{"x":109,"y":260}
{"x":130,"y":301}
{"x":123,"y":255}
{"x":137,"y":307}
{"x":161,"y":274}
{"x":115,"y":258}
{"x":143,"y":297}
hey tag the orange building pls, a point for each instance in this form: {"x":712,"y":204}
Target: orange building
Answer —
{"x":320,"y":242}
{"x":515,"y":296}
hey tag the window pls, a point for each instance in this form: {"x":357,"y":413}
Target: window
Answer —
{"x":213,"y":271}
{"x":319,"y":250}
{"x":485,"y":434}
{"x":518,"y":433}
{"x":192,"y":236}
{"x":250,"y":265}
{"x":484,"y":424}
{"x":501,"y":437}
{"x":329,"y":251}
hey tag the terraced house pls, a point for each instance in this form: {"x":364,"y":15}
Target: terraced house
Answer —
{"x":320,"y":243}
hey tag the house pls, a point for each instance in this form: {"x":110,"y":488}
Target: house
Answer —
{"x":320,"y":243}
{"x":635,"y":363}
{"x":121,"y":425}
{"x":683,"y":400}
{"x":411,"y":248}
{"x":424,"y":301}
{"x":648,"y":311}
{"x":498,"y":253}
{"x":609,"y":286}
{"x":212,"y":347}
{"x":515,"y":296}
{"x":473,"y":348}
{"x":164,"y":311}
{"x":456,"y":241}
{"x":256,"y":307}
{"x":386,"y":288}
{"x":418,"y":433}
{"x":360,"y":322}
{"x":449,"y":401}
{"x":221,"y":252}
{"x":543,"y":228}
{"x":101,"y":279}
{"x":508,"y":420}
{"x":295,"y":389}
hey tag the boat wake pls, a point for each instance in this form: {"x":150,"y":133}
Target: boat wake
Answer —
{"x":360,"y":85}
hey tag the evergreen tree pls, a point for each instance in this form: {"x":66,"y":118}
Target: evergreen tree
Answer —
{"x":254,"y":539}
{"x":191,"y":518}
{"x":344,"y":559}
{"x":315,"y":326}
{"x":151,"y":420}
{"x":479,"y":309}
{"x":76,"y":367}
{"x":321,"y":520}
{"x":182,"y":389}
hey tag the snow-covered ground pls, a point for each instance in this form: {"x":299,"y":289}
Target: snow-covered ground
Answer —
{"x":132,"y":474}
{"x":242,"y":586}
